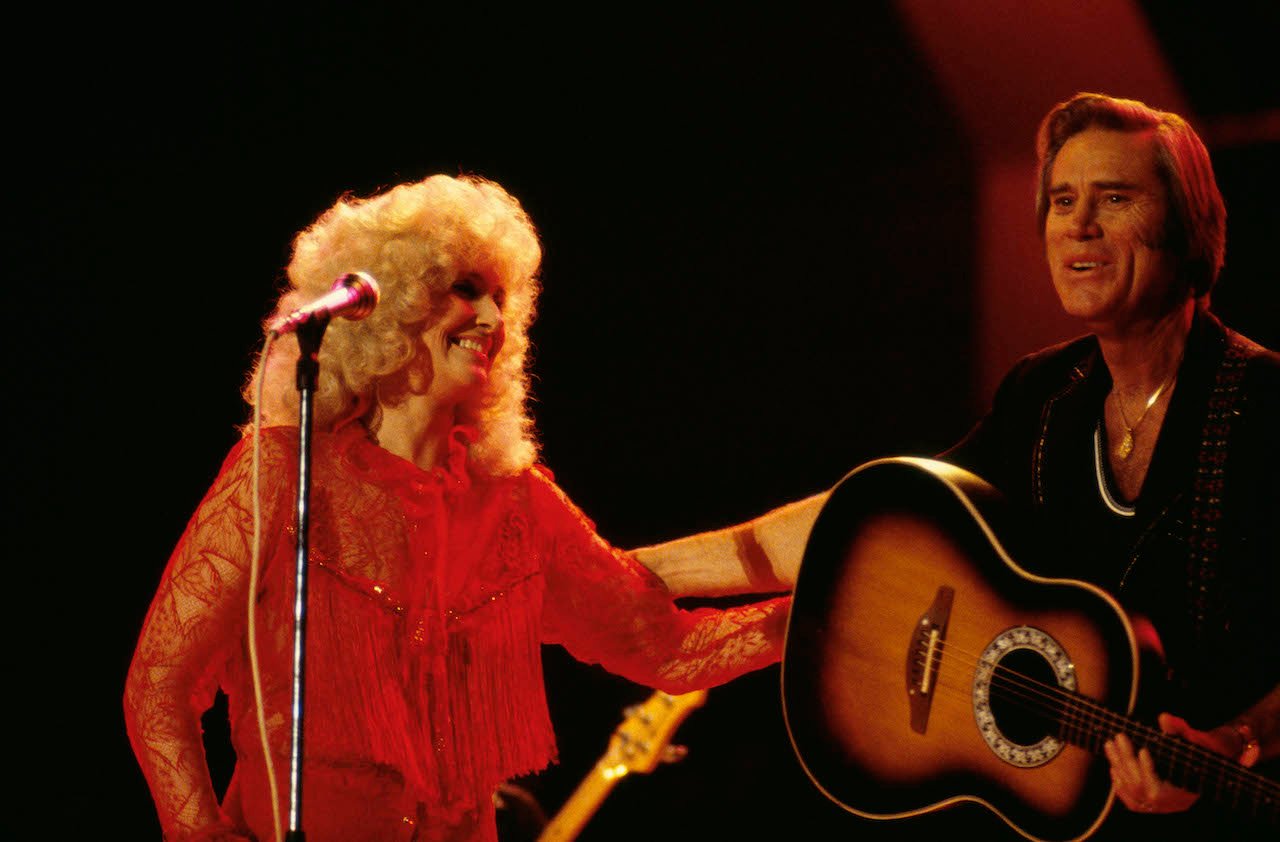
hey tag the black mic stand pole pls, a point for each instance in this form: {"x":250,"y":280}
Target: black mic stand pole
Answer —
{"x":309,"y":336}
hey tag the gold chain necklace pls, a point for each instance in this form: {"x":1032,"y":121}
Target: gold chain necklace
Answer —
{"x":1126,"y":441}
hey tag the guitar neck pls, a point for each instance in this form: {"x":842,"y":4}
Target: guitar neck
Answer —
{"x":639,"y":744}
{"x":1181,"y":763}
{"x":582,"y":805}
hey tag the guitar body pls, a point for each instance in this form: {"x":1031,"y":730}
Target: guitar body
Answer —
{"x":908,"y":620}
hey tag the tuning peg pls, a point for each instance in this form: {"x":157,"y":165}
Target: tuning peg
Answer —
{"x":674,"y":754}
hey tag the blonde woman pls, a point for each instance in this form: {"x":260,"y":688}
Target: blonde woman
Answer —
{"x":442,"y":554}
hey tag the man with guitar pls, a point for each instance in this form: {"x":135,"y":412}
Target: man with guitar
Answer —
{"x":1144,"y":455}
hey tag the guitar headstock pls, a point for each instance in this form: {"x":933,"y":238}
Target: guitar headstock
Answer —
{"x":643,"y":739}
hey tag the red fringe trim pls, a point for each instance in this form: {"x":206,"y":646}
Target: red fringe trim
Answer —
{"x":455,"y":723}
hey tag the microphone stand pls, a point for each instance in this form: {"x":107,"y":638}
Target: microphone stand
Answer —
{"x":309,"y":335}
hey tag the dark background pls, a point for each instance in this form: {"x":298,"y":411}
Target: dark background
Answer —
{"x":759,"y":250}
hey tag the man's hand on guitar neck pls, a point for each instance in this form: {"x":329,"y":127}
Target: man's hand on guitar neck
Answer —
{"x":1134,"y":776}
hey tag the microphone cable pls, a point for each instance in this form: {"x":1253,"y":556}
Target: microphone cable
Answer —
{"x":255,"y":564}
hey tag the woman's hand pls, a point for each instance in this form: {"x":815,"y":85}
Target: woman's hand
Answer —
{"x":1134,"y":774}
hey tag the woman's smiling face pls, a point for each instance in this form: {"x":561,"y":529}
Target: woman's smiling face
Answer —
{"x":466,"y":337}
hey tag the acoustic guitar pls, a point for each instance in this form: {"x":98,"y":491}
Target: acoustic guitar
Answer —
{"x":923,"y":667}
{"x":639,"y":744}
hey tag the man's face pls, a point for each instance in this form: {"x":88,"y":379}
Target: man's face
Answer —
{"x":1105,"y":228}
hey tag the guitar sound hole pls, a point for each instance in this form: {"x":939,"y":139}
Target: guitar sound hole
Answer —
{"x":1018,"y":688}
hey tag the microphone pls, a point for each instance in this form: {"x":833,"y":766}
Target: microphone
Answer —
{"x":353,"y":296}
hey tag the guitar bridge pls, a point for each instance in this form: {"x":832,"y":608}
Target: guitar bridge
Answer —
{"x":924,"y":657}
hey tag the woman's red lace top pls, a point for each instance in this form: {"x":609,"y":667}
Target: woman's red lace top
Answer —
{"x":430,"y":593}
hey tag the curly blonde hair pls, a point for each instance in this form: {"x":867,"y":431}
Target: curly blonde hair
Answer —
{"x":417,"y":240}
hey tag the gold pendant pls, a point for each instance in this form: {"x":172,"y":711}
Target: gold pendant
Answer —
{"x":1126,"y":444}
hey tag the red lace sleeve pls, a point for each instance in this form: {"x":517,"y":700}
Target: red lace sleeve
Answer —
{"x":196,"y":621}
{"x":607,"y":608}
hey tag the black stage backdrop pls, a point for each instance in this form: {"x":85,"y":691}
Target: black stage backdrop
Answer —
{"x":759,"y":261}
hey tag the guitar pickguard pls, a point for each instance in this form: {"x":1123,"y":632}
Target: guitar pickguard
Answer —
{"x":994,"y":679}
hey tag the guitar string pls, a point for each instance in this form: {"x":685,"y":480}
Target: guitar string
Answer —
{"x":1227,"y":780}
{"x":1229,"y":776}
{"x":1088,"y":717}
